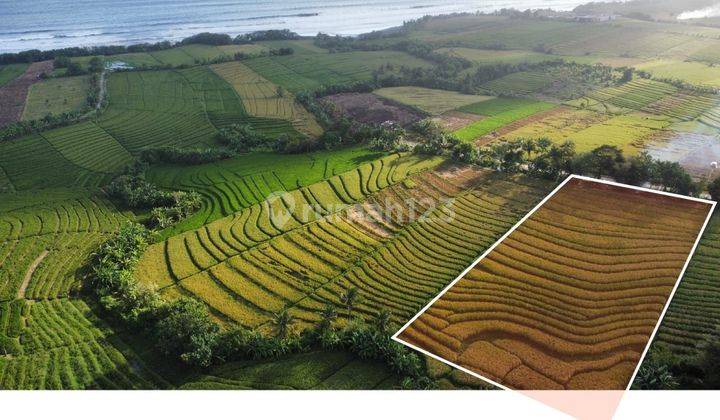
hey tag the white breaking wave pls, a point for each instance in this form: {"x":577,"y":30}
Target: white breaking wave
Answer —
{"x":711,"y":11}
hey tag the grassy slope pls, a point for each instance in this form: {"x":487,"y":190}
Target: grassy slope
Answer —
{"x":500,"y":112}
{"x":10,"y":71}
{"x":56,"y":96}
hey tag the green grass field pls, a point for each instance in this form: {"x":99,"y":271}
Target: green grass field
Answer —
{"x":691,"y":72}
{"x":184,"y":55}
{"x":56,"y":96}
{"x":499,"y":112}
{"x":9,"y":72}
{"x":310,"y":71}
{"x":432,"y":101}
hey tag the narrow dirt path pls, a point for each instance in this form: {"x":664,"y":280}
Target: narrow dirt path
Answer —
{"x":29,"y":273}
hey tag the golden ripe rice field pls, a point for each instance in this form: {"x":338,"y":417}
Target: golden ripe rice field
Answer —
{"x":570,"y":298}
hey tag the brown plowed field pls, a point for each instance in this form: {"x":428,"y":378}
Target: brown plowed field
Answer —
{"x":369,"y":108}
{"x":570,"y":298}
{"x":13,"y":94}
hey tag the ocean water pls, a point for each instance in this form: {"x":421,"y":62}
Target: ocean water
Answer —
{"x":46,"y":24}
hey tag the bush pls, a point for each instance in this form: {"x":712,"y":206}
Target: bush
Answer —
{"x":187,"y":332}
{"x":208,"y":38}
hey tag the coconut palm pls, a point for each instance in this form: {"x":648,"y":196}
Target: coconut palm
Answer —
{"x":282,"y":321}
{"x":327,"y":316}
{"x":349,"y":298}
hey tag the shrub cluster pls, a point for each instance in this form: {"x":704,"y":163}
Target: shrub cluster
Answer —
{"x":166,"y":207}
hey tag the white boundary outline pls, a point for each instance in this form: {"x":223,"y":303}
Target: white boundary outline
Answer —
{"x":489,"y":250}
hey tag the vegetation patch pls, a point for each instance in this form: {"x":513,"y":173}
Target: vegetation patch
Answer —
{"x":432,"y":101}
{"x":369,"y":108}
{"x":499,"y":112}
{"x":56,"y":96}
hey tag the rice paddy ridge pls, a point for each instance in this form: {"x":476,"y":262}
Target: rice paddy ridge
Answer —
{"x":232,"y":234}
{"x":548,"y":308}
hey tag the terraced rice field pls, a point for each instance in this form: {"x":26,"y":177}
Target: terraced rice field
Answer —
{"x":32,"y":162}
{"x":275,"y":255}
{"x":158,"y":108}
{"x":693,"y":314}
{"x":56,"y":96}
{"x":499,"y":112}
{"x":61,"y":344}
{"x":432,"y":101}
{"x":90,"y":147}
{"x":66,"y":223}
{"x":261,"y":98}
{"x":570,"y":298}
{"x":234,"y":184}
{"x":299,"y":73}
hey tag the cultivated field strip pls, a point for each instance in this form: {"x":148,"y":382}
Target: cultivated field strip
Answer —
{"x":33,"y":163}
{"x":694,"y":312}
{"x":156,"y":108}
{"x":569,"y":299}
{"x":68,"y":228}
{"x":61,"y":344}
{"x":652,"y":97}
{"x":261,"y":98}
{"x":195,"y":251}
{"x":247,"y":267}
{"x":90,"y":147}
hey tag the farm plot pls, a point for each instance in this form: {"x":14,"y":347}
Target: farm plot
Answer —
{"x":521,"y":83}
{"x":56,"y":96}
{"x":693,"y":316}
{"x":633,"y":95}
{"x":372,"y":109}
{"x":262,"y":98}
{"x":569,"y":299}
{"x":484,"y":57}
{"x":156,"y":108}
{"x":248,"y":267}
{"x":32,"y":162}
{"x":9,"y":72}
{"x":432,"y":101}
{"x":14,"y":92}
{"x":60,"y":344}
{"x":499,"y":112}
{"x":589,"y":130}
{"x":688,"y":71}
{"x":62,"y":227}
{"x":234,"y":184}
{"x":90,"y":147}
{"x":299,"y":73}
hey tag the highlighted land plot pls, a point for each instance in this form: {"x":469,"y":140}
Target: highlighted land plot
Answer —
{"x":572,"y":295}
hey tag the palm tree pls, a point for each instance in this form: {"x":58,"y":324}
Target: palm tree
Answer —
{"x":282,"y":322}
{"x":528,"y":146}
{"x":327,"y":316}
{"x":382,"y":320}
{"x":349,"y":298}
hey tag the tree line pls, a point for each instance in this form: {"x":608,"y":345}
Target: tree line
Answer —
{"x":206,"y":38}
